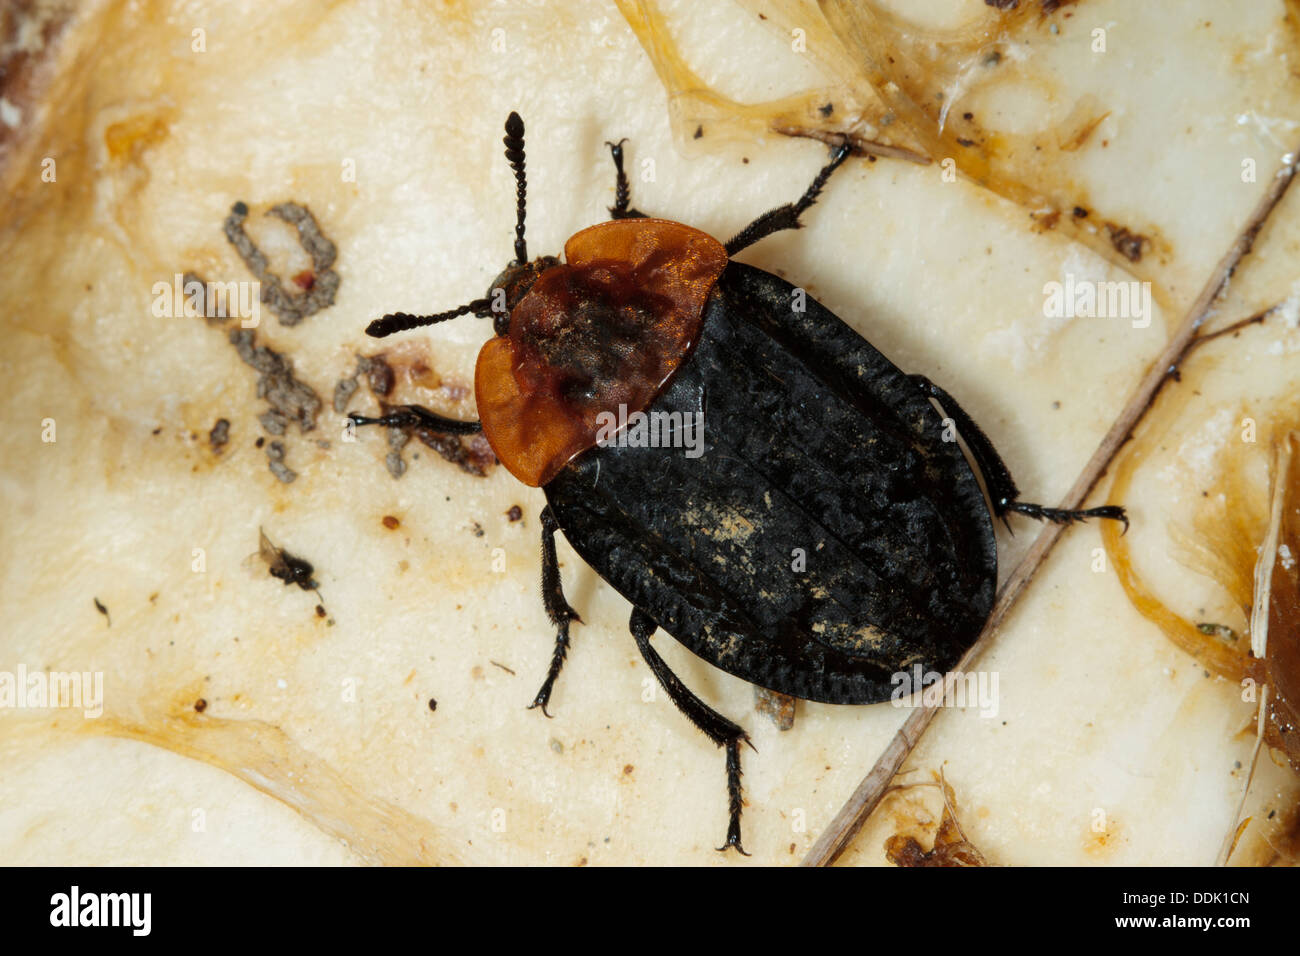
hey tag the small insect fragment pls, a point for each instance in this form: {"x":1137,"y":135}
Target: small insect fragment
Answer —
{"x":514,"y":513}
{"x":104,"y":611}
{"x":289,"y":568}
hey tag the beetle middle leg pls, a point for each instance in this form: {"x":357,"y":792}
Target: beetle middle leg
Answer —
{"x":716,"y":727}
{"x":622,"y":192}
{"x":787,"y":216}
{"x":997,"y":477}
{"x":557,"y":608}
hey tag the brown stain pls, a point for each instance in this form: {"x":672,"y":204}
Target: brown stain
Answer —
{"x":1272,"y":838}
{"x":916,"y":824}
{"x":1076,"y":140}
{"x":30,"y":39}
{"x":263,"y":756}
{"x":128,"y":138}
{"x":1100,"y":845}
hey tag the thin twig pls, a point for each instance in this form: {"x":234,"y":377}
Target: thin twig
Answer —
{"x":861,"y":144}
{"x":1234,"y":831}
{"x":1235,"y":327}
{"x":853,"y":815}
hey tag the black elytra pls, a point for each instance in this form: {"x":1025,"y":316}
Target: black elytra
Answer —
{"x":824,"y":534}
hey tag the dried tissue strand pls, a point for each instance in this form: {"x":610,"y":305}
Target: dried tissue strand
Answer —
{"x":1221,"y":540}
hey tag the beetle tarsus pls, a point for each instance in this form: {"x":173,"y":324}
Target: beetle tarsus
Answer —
{"x":734,"y":800}
{"x":1065,"y":515}
{"x":557,"y":609}
{"x":543,"y":697}
{"x":717,"y":728}
{"x":622,"y":191}
{"x":997,"y":477}
{"x":787,"y":216}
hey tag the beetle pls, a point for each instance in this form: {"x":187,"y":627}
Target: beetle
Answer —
{"x":817,"y":445}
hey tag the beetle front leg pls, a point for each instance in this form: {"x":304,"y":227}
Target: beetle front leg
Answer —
{"x":557,"y":608}
{"x":622,"y":192}
{"x":997,"y":478}
{"x":716,"y":727}
{"x":417,"y":416}
{"x":787,"y":216}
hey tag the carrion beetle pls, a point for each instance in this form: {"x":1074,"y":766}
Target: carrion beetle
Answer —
{"x":826,"y":532}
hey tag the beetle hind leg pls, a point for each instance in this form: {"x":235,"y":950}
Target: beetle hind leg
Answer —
{"x":557,"y":609}
{"x":717,"y":728}
{"x":622,"y":191}
{"x":997,"y":478}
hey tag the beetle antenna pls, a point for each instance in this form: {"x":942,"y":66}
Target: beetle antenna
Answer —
{"x":514,"y":141}
{"x":404,"y":321}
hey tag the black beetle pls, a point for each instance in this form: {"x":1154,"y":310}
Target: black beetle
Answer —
{"x":825,"y":534}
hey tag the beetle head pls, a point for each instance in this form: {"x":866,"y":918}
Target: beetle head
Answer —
{"x":514,"y":281}
{"x":512,"y":285}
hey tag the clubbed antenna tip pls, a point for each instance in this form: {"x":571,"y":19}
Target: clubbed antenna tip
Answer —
{"x":514,"y":142}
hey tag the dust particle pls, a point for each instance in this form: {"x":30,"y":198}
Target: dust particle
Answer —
{"x":219,"y":435}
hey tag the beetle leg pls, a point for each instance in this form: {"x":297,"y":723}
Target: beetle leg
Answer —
{"x":417,"y":416}
{"x":622,"y":192}
{"x":787,"y":216}
{"x":997,"y":478}
{"x":716,"y":727}
{"x":557,"y":609}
